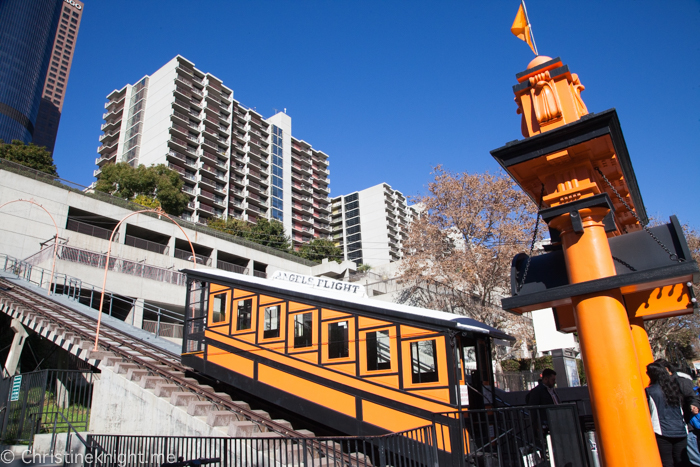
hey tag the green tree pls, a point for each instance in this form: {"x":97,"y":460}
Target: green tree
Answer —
{"x":29,"y":155}
{"x":264,"y":232}
{"x":156,"y":182}
{"x":319,"y":248}
{"x":270,"y":233}
{"x":231,"y":226}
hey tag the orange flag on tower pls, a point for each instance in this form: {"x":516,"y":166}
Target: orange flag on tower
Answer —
{"x":521,"y":27}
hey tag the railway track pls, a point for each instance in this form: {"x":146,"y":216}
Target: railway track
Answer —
{"x":117,"y":347}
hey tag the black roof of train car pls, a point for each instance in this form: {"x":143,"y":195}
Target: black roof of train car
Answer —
{"x":343,"y":301}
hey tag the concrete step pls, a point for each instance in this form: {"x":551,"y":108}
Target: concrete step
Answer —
{"x":165,"y":389}
{"x":221,"y":417}
{"x":136,"y":374}
{"x":123,"y":368}
{"x":150,"y":382}
{"x":200,"y":408}
{"x":183,"y":399}
{"x":111,"y":361}
{"x":284,"y":423}
{"x":243,"y":429}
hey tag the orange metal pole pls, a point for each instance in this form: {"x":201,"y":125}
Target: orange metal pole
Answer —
{"x":642,"y":347}
{"x":618,"y":400}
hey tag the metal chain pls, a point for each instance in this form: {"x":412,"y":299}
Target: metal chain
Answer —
{"x":672,"y":256}
{"x":534,"y":239}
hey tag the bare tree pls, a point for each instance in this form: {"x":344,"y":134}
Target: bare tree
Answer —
{"x":458,"y":252}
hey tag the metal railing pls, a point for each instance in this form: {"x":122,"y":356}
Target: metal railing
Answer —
{"x":231,"y":267}
{"x":48,"y":399}
{"x":87,"y":229}
{"x":161,"y":329}
{"x":147,"y":245}
{"x":124,"y":266}
{"x":410,"y":448}
{"x":514,"y":436}
{"x":88,"y":294}
{"x":187,"y":256}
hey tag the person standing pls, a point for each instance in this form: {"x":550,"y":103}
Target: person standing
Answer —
{"x":691,"y":407}
{"x":665,"y":402}
{"x":544,"y":393}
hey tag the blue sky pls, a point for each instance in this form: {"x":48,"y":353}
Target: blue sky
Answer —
{"x":390,"y":89}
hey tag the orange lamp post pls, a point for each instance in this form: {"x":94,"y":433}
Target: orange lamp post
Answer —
{"x":604,"y":274}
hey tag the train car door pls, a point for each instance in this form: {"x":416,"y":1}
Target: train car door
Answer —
{"x":474,"y":371}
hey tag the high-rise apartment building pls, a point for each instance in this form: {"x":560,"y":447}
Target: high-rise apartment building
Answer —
{"x":27,"y":32}
{"x":370,"y":225}
{"x":233,"y":161}
{"x":54,"y":89}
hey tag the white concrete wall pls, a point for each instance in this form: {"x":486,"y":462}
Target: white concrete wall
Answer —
{"x":546,"y":333}
{"x":120,"y":406}
{"x":156,"y":120}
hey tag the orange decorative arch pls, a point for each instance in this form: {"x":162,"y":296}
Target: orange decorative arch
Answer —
{"x":109,"y":251}
{"x":55,"y":242}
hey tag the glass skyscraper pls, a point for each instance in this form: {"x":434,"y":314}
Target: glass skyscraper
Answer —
{"x":27,"y":33}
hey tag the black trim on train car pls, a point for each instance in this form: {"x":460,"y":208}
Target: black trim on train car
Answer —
{"x":339,"y":386}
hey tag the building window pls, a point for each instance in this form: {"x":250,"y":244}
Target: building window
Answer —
{"x":277,"y":181}
{"x":378,"y":351}
{"x":338,"y":340}
{"x":303,"y":328}
{"x":272,"y":322}
{"x":219,"y":308}
{"x":423,"y":362}
{"x":244,"y":314}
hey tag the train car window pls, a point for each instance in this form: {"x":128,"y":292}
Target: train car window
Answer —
{"x":272,"y":322}
{"x":244,"y":314}
{"x":423,"y":361}
{"x":338,"y":340}
{"x":303,"y":330}
{"x":378,"y":351}
{"x":219,"y":308}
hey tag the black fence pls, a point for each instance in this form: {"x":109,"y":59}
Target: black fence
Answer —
{"x":514,"y":436}
{"x":46,"y":401}
{"x":539,"y":436}
{"x":410,"y":448}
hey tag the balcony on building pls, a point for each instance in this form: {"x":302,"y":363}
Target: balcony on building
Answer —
{"x":303,"y":219}
{"x":105,"y":159}
{"x":259,"y":211}
{"x":237,"y":180}
{"x":231,"y":263}
{"x":111,"y":125}
{"x":256,"y":188}
{"x":114,"y":114}
{"x":115,"y":99}
{"x":302,"y":188}
{"x":89,"y":223}
{"x":204,"y":181}
{"x":322,"y":228}
{"x":176,"y":158}
{"x":145,"y":239}
{"x":202,"y":254}
{"x":255,"y":199}
{"x":109,"y":137}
